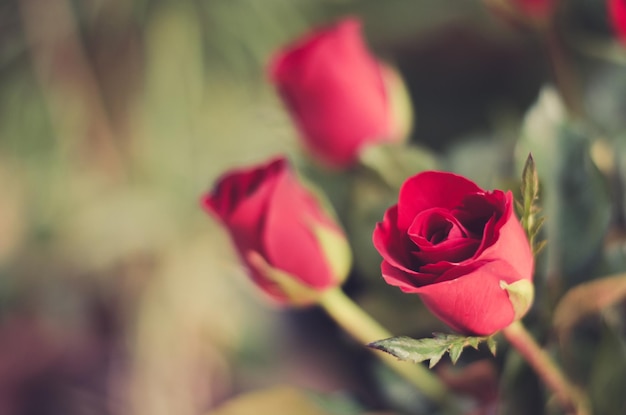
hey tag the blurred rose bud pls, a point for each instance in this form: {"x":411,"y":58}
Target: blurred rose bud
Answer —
{"x":617,"y":16}
{"x":340,"y":97}
{"x":292,"y":246}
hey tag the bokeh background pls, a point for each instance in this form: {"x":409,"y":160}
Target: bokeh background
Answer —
{"x":118,"y":295}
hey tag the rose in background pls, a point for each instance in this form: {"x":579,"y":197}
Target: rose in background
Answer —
{"x":290,"y":243}
{"x":340,"y":97}
{"x":617,"y":17}
{"x":458,"y":247}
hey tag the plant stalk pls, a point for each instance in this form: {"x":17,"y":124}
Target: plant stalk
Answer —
{"x":365,"y":329}
{"x":570,"y":397}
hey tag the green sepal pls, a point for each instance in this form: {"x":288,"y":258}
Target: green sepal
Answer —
{"x":336,"y":249}
{"x":298,"y":294}
{"x":521,"y":293}
{"x":431,"y":349}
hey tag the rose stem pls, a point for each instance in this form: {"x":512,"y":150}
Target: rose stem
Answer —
{"x":567,"y":394}
{"x":365,"y":329}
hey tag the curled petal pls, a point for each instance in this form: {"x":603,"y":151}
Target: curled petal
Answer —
{"x":474,"y":303}
{"x":431,"y":189}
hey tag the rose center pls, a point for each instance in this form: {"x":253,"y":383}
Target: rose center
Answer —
{"x":439,"y":235}
{"x":434,"y":226}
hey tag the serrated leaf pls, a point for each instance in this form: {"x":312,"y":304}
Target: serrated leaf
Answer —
{"x":530,"y":183}
{"x":538,"y":223}
{"x":433,"y":349}
{"x":455,"y":352}
{"x":413,"y":350}
{"x":435,"y":359}
{"x":474,"y":342}
{"x":491,"y":344}
{"x":539,"y":247}
{"x":530,"y":220}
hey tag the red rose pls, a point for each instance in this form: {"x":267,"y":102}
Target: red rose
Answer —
{"x":459,"y":248}
{"x":617,"y":16}
{"x":336,"y":93}
{"x":292,"y":247}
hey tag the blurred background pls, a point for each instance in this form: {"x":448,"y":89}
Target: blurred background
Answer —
{"x":118,"y":295}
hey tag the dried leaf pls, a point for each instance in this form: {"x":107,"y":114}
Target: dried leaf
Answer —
{"x":587,"y":299}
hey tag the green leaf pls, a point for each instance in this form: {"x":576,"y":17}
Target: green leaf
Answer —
{"x":530,"y":194}
{"x":530,"y":184}
{"x":491,"y":344}
{"x":431,"y":349}
{"x":539,"y":247}
{"x":455,"y":352}
{"x":575,"y":196}
{"x":474,"y":342}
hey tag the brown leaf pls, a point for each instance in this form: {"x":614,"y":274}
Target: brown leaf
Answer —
{"x":588,"y":299}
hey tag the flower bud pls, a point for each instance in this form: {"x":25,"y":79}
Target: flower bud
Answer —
{"x":339,"y":96}
{"x":292,"y":246}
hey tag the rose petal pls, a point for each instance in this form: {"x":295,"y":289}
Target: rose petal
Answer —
{"x":431,"y":189}
{"x":476,"y":210}
{"x":235,"y":187}
{"x":510,"y":244}
{"x":393,"y":245}
{"x":239,"y":200}
{"x":407,"y":282}
{"x":335,"y":91}
{"x":435,"y":225}
{"x":451,"y":251}
{"x":289,"y":241}
{"x":474,"y":303}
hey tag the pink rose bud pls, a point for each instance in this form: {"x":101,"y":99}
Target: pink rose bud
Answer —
{"x":340,"y":97}
{"x":461,"y":249}
{"x":617,"y":16}
{"x":293,"y":248}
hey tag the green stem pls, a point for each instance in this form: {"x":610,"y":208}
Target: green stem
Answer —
{"x":570,"y":398}
{"x":366,"y":330}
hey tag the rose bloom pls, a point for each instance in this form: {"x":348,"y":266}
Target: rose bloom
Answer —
{"x":281,"y":230}
{"x":453,"y":244}
{"x":337,"y":94}
{"x":617,"y":16}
